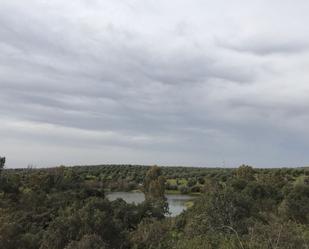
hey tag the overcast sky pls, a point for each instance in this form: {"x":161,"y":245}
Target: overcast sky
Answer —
{"x":177,"y":82}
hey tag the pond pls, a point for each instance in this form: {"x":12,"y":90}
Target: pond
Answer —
{"x":176,"y":202}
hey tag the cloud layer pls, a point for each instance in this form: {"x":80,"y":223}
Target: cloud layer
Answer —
{"x":154,"y":82}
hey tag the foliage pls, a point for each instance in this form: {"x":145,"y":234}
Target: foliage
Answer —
{"x":2,"y":163}
{"x":66,"y":208}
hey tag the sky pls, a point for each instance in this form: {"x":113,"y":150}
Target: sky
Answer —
{"x":196,"y":83}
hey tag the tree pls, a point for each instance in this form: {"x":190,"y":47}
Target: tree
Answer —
{"x":221,"y":210}
{"x":150,"y":234}
{"x":154,"y":188}
{"x":296,"y":204}
{"x":154,"y":184}
{"x":201,"y":180}
{"x":2,"y":163}
{"x":191,"y":182}
{"x":95,"y":216}
{"x":245,"y":172}
{"x":184,"y":189}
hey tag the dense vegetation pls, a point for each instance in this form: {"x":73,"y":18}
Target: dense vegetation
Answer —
{"x":131,"y":177}
{"x":66,"y":208}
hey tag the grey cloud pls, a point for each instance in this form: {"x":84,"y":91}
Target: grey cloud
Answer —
{"x":162,"y":96}
{"x":268,"y":45}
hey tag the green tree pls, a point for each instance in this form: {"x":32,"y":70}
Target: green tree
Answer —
{"x":154,"y":188}
{"x":94,"y":217}
{"x":296,"y":204}
{"x":2,"y":163}
{"x":245,"y":172}
{"x":150,"y":234}
{"x":221,"y":211}
{"x":191,"y":182}
{"x":154,"y":184}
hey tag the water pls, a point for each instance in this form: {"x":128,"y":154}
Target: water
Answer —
{"x":176,"y":203}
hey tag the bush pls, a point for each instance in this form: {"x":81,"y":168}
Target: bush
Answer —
{"x":183,"y":189}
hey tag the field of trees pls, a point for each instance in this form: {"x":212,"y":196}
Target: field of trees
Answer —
{"x":67,"y":208}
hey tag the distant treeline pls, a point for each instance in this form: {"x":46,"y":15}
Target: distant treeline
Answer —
{"x":130,"y":177}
